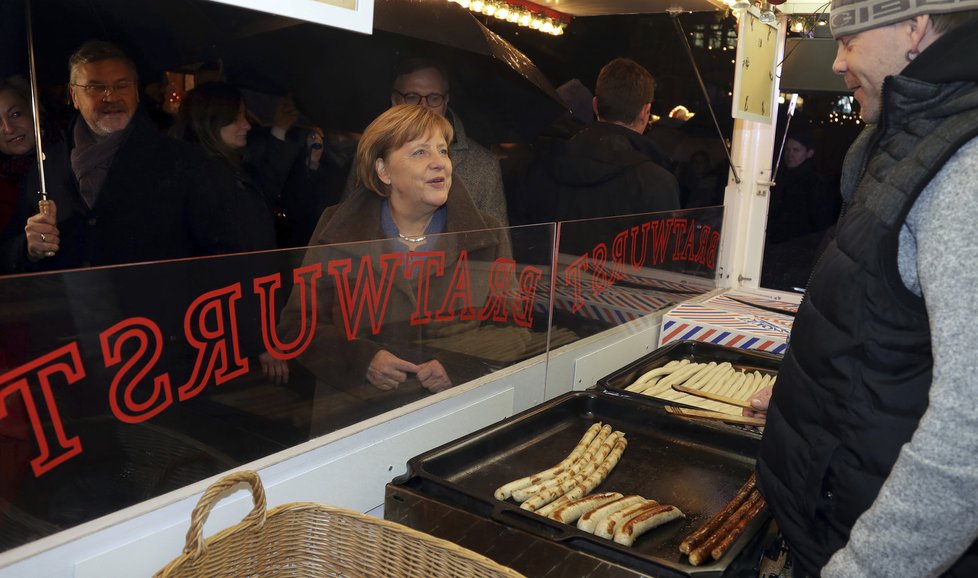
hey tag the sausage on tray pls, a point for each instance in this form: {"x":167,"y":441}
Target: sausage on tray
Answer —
{"x":506,"y":490}
{"x":606,"y":528}
{"x":704,"y":532}
{"x":650,"y":517}
{"x":724,"y":544}
{"x":571,"y":511}
{"x":703,"y":552}
{"x":590,"y":520}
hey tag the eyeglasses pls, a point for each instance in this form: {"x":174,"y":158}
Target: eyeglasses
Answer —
{"x":434,"y":99}
{"x":102,"y":90}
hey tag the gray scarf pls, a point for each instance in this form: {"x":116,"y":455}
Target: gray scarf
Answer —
{"x":92,"y":157}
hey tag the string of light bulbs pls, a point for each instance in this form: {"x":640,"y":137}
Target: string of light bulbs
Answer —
{"x":519,"y":12}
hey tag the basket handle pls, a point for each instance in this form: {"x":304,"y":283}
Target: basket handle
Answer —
{"x":194,"y":546}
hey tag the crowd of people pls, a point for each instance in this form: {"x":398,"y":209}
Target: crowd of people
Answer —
{"x":233,"y":185}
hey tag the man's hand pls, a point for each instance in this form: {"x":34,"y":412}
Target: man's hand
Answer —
{"x":316,"y":146}
{"x":387,"y":371}
{"x":43,"y":237}
{"x":759,"y":402}
{"x":433,"y":376}
{"x":274,"y":369}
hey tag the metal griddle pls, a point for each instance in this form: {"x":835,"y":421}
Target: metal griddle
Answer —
{"x":695,"y":466}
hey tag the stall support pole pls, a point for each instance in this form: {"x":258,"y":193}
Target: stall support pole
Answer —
{"x":746,"y":203}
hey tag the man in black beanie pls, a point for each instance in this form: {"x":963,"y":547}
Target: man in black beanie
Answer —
{"x":868,"y":461}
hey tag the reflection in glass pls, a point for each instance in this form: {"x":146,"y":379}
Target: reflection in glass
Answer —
{"x":462,"y":306}
{"x":120,"y":384}
{"x":615,"y":270}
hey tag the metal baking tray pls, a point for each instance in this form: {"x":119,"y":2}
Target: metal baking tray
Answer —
{"x":695,"y":351}
{"x":691,"y":465}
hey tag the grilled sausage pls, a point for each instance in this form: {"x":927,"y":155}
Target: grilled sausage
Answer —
{"x":571,"y":511}
{"x":574,"y":484}
{"x":606,"y":529}
{"x":525,"y":493}
{"x":590,"y":520}
{"x":506,"y":490}
{"x":700,"y":554}
{"x":650,"y":517}
{"x":704,"y":531}
{"x":729,"y":539}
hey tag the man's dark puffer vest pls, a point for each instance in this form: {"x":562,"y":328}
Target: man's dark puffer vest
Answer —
{"x":855,"y":381}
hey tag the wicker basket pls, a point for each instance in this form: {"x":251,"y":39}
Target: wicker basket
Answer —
{"x":303,"y":539}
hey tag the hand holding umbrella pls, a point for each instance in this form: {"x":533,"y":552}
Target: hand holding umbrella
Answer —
{"x":43,"y":237}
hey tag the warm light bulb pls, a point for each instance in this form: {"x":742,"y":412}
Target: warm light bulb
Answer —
{"x":797,"y":25}
{"x":489,"y":9}
{"x":536,"y":23}
{"x":503,"y":12}
{"x":464,"y":3}
{"x":525,"y":19}
{"x":547,"y":27}
{"x":477,"y":5}
{"x":514,"y":16}
{"x":558,"y":30}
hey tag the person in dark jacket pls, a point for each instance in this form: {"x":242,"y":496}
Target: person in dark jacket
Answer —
{"x":868,"y":456}
{"x":120,"y":192}
{"x":609,"y":168}
{"x":213,"y":115}
{"x":802,"y":201}
{"x":315,"y":182}
{"x":803,"y":205}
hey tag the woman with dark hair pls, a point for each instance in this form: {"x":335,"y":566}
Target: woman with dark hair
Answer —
{"x":17,"y":151}
{"x":214,"y":116}
{"x":248,"y":173}
{"x":16,"y":143}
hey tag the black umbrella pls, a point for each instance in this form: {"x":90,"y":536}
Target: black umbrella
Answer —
{"x":342,"y":79}
{"x":159,"y":35}
{"x":339,"y":79}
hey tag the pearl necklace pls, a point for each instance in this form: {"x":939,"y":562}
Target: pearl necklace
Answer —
{"x":422,"y":237}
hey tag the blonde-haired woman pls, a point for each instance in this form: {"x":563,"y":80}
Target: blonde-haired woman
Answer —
{"x":407,"y":196}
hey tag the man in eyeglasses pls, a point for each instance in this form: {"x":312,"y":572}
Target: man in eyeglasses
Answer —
{"x":420,"y":80}
{"x":121,"y":192}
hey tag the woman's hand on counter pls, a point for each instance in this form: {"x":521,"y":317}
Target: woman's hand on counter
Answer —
{"x":387,"y":371}
{"x":433,"y":376}
{"x":274,"y":369}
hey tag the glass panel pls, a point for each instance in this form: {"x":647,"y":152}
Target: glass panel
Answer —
{"x":611,"y":271}
{"x":120,"y":384}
